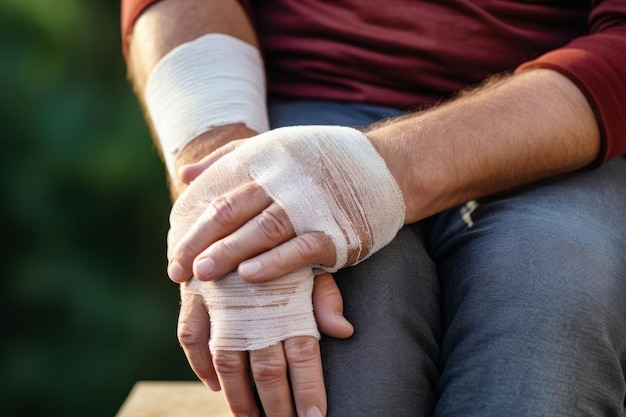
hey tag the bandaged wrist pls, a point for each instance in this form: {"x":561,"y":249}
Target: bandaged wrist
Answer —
{"x":212,"y":81}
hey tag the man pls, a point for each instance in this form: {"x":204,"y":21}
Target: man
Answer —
{"x":504,"y":291}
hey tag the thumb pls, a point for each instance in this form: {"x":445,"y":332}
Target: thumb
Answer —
{"x":328,"y":308}
{"x":190,"y":172}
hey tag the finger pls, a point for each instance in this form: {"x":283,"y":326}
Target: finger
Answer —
{"x":193,"y":335}
{"x":265,"y":231}
{"x":232,"y":369}
{"x":314,"y":248}
{"x":305,"y":372}
{"x":223,"y":216}
{"x":190,"y":172}
{"x":328,"y":308}
{"x":269,"y":369}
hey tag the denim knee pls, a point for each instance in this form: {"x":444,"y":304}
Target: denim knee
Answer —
{"x":389,"y":365}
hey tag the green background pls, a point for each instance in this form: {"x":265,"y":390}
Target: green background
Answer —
{"x":87,"y":307}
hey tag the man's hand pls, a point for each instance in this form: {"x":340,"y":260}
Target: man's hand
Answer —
{"x":248,"y":215}
{"x":287,"y":376}
{"x":284,"y":374}
{"x":333,"y":203}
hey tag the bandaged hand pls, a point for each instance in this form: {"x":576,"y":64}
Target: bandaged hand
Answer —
{"x":326,"y":180}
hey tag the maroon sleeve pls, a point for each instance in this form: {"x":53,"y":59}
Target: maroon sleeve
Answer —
{"x":132,"y":9}
{"x":596,"y":63}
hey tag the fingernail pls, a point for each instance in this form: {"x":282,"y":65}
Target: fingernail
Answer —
{"x":313,"y":412}
{"x":205,"y":267}
{"x":175,"y":271}
{"x":250,"y":268}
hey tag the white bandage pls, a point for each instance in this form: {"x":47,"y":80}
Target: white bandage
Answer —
{"x":247,"y":316}
{"x":327,"y":179}
{"x":211,"y":81}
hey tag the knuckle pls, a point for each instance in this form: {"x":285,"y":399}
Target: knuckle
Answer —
{"x":222,"y":211}
{"x":185,"y":250}
{"x":187,"y":247}
{"x":268,"y":371}
{"x":302,"y":349}
{"x":187,"y":336}
{"x":307,"y":245}
{"x":227,"y":364}
{"x":272,"y":227}
{"x":225,"y":250}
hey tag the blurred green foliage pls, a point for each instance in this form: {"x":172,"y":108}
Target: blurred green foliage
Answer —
{"x":87,"y":307}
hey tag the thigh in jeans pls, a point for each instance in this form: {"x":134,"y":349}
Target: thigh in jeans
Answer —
{"x":534,"y":299}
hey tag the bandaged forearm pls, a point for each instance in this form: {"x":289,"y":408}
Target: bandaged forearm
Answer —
{"x":327,"y":179}
{"x":212,"y":81}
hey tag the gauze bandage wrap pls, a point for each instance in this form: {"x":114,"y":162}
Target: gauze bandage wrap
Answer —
{"x":214,"y":80}
{"x":328,"y":179}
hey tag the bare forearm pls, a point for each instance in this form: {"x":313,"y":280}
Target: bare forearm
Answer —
{"x":513,"y":132}
{"x":168,"y":24}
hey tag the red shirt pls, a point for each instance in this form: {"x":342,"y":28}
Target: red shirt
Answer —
{"x":410,"y":54}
